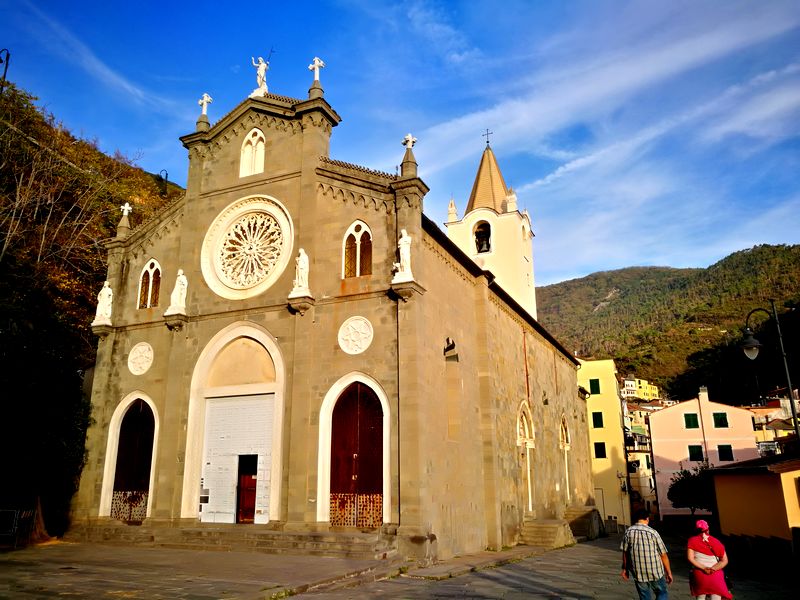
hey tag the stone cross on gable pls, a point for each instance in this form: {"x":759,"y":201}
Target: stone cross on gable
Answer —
{"x":409,"y":141}
{"x":315,"y":66}
{"x":126,"y":209}
{"x":204,"y":101}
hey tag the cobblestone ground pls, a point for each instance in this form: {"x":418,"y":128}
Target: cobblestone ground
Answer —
{"x":588,"y":570}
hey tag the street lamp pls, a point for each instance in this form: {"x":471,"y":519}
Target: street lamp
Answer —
{"x":751,"y":346}
{"x":5,"y":67}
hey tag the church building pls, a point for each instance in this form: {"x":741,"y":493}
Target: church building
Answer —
{"x":293,"y":346}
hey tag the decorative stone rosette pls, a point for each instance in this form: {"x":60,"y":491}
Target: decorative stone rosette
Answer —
{"x":247,"y":247}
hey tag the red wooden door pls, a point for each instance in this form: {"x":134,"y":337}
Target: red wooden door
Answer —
{"x":357,"y":459}
{"x":246,"y":488}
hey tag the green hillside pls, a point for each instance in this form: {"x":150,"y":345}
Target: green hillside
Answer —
{"x":658,"y":322}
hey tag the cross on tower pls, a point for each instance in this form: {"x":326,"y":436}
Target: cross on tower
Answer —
{"x":409,"y":141}
{"x":126,"y":209}
{"x":486,"y":135}
{"x":315,"y":66}
{"x":204,"y":101}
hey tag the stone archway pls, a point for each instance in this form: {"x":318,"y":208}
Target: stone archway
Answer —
{"x":372,"y":388}
{"x":235,"y":429}
{"x":130,"y":458}
{"x":356,"y":498}
{"x":133,"y":464}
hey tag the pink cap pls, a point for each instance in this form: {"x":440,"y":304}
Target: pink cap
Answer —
{"x":702,"y":525}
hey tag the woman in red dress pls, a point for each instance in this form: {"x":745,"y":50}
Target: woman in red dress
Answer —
{"x":707,"y":556}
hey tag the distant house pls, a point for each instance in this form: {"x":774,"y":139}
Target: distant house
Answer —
{"x":693,"y":432}
{"x":641,"y":484}
{"x":606,"y":440}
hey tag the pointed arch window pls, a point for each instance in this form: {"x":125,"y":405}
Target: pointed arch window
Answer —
{"x":483,"y":237}
{"x":564,"y":438}
{"x":357,"y":251}
{"x":251,"y":161}
{"x":150,"y":284}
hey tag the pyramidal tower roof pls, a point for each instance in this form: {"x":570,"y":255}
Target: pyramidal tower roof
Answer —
{"x":489,"y":189}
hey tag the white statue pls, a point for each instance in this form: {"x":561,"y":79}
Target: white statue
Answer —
{"x":177,"y":301}
{"x":403,"y":268}
{"x":126,"y":209}
{"x":301,"y":275}
{"x":262,"y":67}
{"x":104,"y":301}
{"x":204,"y":101}
{"x":315,"y":66}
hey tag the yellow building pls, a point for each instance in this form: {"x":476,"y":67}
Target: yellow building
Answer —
{"x":758,"y":503}
{"x":606,"y":440}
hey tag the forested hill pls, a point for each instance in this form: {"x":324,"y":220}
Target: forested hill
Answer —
{"x":652,"y":319}
{"x":60,"y":199}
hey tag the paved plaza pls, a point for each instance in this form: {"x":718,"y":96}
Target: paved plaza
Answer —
{"x":588,"y":570}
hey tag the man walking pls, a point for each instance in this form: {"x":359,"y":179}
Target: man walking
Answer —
{"x":645,"y":556}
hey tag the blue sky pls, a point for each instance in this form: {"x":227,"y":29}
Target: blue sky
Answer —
{"x":635,"y":133}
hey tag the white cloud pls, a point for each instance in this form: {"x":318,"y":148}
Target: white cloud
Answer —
{"x":430,"y":24}
{"x":772,"y":115}
{"x":62,"y":42}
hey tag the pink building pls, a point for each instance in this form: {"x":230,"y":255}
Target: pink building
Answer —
{"x":694,"y":431}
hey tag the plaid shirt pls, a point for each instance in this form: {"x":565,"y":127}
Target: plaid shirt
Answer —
{"x":644,"y":547}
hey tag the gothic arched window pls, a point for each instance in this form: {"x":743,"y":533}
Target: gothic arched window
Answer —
{"x":483,"y":237}
{"x":252,"y":157}
{"x":149,"y":284}
{"x":357,"y":251}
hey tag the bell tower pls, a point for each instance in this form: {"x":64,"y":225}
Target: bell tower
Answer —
{"x":495,"y":234}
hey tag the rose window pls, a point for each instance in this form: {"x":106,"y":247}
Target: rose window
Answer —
{"x":247,"y":248}
{"x":250,"y":250}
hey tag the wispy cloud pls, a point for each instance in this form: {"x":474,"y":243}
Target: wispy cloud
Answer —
{"x":588,"y":89}
{"x":430,"y":23}
{"x":60,"y":41}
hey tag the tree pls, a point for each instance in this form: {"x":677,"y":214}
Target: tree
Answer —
{"x":692,"y":489}
{"x":59,"y":199}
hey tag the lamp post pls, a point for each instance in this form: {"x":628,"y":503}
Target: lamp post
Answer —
{"x":4,"y":62}
{"x":751,"y":346}
{"x":164,"y":180}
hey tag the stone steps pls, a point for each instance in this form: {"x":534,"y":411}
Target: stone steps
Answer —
{"x":547,"y":533}
{"x":242,"y":538}
{"x":584,"y":521}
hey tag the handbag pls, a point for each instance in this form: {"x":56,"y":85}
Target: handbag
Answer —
{"x":719,"y":558}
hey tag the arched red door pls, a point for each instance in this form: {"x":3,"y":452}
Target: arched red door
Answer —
{"x":357,"y":459}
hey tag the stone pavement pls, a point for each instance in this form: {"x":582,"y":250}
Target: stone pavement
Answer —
{"x":588,"y":570}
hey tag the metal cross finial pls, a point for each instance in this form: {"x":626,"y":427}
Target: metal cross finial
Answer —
{"x":315,"y":66}
{"x":204,"y":101}
{"x":409,"y":141}
{"x":486,"y":135}
{"x":126,"y":209}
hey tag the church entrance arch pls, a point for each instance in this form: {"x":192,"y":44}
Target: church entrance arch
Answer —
{"x":130,"y":459}
{"x":353,"y":476}
{"x":234,"y":430}
{"x":356,"y":465}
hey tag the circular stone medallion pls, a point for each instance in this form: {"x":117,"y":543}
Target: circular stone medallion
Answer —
{"x":355,"y":335}
{"x":140,"y":358}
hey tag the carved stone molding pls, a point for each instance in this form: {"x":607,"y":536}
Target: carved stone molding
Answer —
{"x":405,"y":290}
{"x":175,"y":322}
{"x":102,"y":330}
{"x":300,"y":304}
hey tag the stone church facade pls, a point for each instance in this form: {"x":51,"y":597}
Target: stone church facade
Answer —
{"x":369,"y":390}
